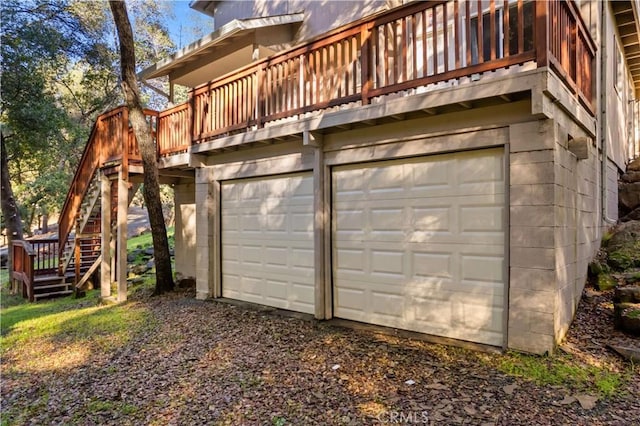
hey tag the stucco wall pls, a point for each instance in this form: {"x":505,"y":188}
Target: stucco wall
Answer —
{"x":185,"y":230}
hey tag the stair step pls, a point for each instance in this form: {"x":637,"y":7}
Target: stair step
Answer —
{"x":53,"y":293}
{"x":44,"y":287}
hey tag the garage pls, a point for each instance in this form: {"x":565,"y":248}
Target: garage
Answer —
{"x":267,"y":241}
{"x":419,"y":244}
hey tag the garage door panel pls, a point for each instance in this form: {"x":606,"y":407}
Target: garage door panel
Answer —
{"x":483,"y":268}
{"x":425,"y":264}
{"x":419,"y":244}
{"x":267,"y":241}
{"x":389,"y":263}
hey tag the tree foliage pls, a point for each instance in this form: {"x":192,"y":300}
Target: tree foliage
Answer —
{"x":59,"y":72}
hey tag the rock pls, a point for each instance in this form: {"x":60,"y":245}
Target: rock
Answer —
{"x":634,"y":166}
{"x":596,"y":268}
{"x":628,"y":294}
{"x":626,"y":317}
{"x":633,"y":215}
{"x":606,"y":282}
{"x":623,"y":248}
{"x":631,"y":176}
{"x":587,"y":402}
{"x":140,"y":269}
{"x":148,"y":251}
{"x":628,"y":353}
{"x":628,"y":195}
{"x":567,"y":400}
{"x":621,"y":260}
{"x":508,"y":389}
{"x":623,"y":235}
{"x":131,"y":257}
{"x":631,"y":277}
{"x":188,"y":282}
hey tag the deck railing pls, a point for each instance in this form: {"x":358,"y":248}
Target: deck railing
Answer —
{"x":46,"y":257}
{"x":23,"y":267}
{"x":406,"y":48}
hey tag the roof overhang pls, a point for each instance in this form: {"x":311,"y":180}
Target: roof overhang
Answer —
{"x":626,"y":14}
{"x":212,"y":46}
{"x":204,"y":6}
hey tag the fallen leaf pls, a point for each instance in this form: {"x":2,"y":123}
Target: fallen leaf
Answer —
{"x":567,"y":400}
{"x":438,"y":386}
{"x":508,"y":389}
{"x":587,"y":402}
{"x":470,"y":410}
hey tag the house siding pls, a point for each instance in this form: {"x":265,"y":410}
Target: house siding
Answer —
{"x":555,"y":199}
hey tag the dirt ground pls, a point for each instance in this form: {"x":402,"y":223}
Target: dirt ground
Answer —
{"x":204,"y":362}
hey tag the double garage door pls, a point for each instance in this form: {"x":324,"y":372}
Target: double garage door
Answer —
{"x":417,"y":244}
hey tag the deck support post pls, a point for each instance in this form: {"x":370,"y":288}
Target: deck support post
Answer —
{"x":121,"y":245}
{"x":105,"y":217}
{"x":207,"y":235}
{"x":320,"y":222}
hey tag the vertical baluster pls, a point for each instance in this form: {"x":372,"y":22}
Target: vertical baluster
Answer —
{"x":404,"y":39}
{"x":521,"y":27}
{"x":425,"y":56}
{"x":480,"y":34}
{"x":434,"y":37}
{"x":456,"y":29}
{"x":492,"y":28}
{"x":445,"y":36}
{"x":414,"y":50}
{"x":467,"y":31}
{"x":386,"y":50}
{"x":506,"y":29}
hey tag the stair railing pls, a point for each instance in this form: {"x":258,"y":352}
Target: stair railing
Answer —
{"x":23,"y":267}
{"x":111,"y":142}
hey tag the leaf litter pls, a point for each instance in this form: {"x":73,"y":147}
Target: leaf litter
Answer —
{"x":215,"y":363}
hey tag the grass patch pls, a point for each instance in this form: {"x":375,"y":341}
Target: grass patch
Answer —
{"x":562,"y":370}
{"x":145,"y":240}
{"x":27,"y":326}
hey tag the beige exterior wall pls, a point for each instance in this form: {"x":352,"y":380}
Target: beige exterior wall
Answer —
{"x":578,"y":225}
{"x":320,"y":16}
{"x":185,"y":230}
{"x":618,"y":89}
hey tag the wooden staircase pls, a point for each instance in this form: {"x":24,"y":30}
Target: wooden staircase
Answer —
{"x":110,"y":155}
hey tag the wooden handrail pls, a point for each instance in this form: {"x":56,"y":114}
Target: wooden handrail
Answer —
{"x":382,"y":54}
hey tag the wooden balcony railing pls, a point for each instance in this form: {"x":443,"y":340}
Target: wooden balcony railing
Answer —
{"x":23,"y":267}
{"x":412,"y":46}
{"x":111,"y":142}
{"x":46,"y":257}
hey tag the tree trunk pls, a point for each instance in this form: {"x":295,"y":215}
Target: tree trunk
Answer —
{"x":151,"y":192}
{"x":45,"y":222}
{"x":10,"y":210}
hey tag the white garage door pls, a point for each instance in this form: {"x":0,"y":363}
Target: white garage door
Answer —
{"x":418,"y":244}
{"x":267,"y":241}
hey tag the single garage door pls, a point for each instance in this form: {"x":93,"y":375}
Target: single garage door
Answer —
{"x":267,"y":241}
{"x":418,"y":244}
